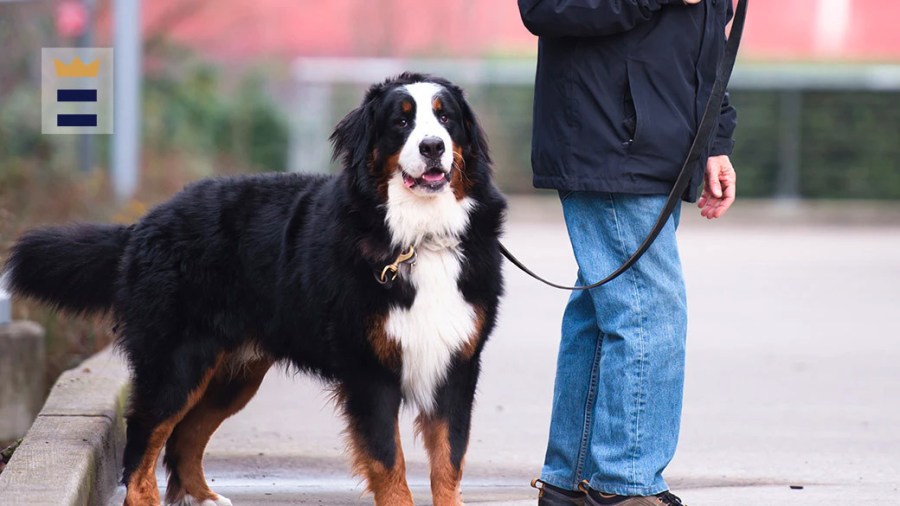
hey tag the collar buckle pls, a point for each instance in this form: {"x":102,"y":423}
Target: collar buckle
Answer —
{"x":391,"y":272}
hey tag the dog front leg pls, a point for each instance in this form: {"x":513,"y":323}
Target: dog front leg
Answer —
{"x":445,"y":432}
{"x":371,"y":409}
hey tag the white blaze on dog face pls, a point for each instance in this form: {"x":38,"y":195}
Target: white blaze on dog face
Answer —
{"x":426,"y":158}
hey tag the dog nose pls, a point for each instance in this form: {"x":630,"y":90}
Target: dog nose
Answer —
{"x":431,"y":147}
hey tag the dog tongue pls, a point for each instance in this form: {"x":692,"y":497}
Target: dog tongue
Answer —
{"x":409,"y":181}
{"x":433,"y":176}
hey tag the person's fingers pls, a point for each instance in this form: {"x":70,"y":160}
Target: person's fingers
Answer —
{"x":720,"y":210}
{"x":706,"y":202}
{"x":716,"y":188}
{"x":709,"y":208}
{"x":726,"y":202}
{"x":721,"y":205}
{"x":712,"y":179}
{"x":709,"y":205}
{"x":719,"y":191}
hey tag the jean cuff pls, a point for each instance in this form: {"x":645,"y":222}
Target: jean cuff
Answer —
{"x":629,"y":490}
{"x":563,"y":483}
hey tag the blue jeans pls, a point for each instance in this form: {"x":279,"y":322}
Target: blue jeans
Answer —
{"x":620,"y":370}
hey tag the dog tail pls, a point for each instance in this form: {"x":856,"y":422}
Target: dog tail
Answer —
{"x":71,"y":267}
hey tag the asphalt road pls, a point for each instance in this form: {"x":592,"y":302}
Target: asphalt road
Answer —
{"x":793,"y":374}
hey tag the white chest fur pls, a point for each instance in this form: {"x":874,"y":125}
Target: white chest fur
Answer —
{"x":440,"y":321}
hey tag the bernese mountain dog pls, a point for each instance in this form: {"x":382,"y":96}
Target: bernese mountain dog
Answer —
{"x":383,"y":280}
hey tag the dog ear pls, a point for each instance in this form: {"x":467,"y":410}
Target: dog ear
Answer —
{"x":354,"y":135}
{"x":474,"y":133}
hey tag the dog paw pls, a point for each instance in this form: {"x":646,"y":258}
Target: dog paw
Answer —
{"x":191,"y":501}
{"x":221,"y":501}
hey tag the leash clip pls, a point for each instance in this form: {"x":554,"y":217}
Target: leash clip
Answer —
{"x":391,"y":271}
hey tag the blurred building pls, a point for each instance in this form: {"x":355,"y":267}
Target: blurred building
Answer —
{"x":817,"y":84}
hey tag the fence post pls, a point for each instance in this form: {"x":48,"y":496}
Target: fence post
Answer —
{"x":86,"y":141}
{"x":311,"y":115}
{"x":5,"y":305}
{"x":22,"y":366}
{"x":789,"y":155}
{"x":126,"y":141}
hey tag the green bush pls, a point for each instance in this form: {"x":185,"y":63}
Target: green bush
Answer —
{"x":848,"y":141}
{"x":849,"y":144}
{"x":188,"y":110}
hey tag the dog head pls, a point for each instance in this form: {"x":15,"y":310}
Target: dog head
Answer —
{"x":414,"y":132}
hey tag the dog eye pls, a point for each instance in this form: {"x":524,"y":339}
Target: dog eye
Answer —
{"x":402,"y":122}
{"x":444,"y":118}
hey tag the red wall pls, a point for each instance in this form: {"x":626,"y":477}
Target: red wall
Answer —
{"x":244,"y":29}
{"x":787,"y":29}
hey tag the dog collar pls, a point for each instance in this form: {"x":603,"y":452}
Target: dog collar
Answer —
{"x":391,"y":271}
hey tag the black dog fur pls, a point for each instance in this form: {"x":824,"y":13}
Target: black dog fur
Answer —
{"x":284,"y":263}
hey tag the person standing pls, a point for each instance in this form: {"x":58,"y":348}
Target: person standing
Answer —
{"x":620,"y":89}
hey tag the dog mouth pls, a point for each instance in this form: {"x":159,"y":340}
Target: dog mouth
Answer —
{"x":433,"y":179}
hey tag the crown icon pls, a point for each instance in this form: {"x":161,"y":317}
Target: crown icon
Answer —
{"x":77,"y":68}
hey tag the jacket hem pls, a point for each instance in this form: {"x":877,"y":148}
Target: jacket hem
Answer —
{"x":629,"y":185}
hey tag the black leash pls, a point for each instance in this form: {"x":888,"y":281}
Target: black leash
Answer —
{"x":709,"y":122}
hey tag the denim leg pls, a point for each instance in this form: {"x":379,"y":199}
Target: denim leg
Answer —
{"x":642,"y":318}
{"x":574,"y":394}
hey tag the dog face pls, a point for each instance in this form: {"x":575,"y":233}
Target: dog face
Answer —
{"x":414,"y":131}
{"x":425,"y":123}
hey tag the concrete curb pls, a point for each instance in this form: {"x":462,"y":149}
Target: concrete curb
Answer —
{"x":22,"y":368}
{"x":72,"y":454}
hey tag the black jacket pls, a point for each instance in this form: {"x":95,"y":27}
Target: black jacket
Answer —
{"x":620,"y":90}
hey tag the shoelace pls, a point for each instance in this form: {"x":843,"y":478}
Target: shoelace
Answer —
{"x":670,"y":499}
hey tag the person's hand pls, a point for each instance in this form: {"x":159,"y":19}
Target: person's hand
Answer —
{"x":718,"y":192}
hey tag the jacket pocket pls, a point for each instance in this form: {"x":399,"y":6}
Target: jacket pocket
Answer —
{"x":630,"y":120}
{"x":633,"y":118}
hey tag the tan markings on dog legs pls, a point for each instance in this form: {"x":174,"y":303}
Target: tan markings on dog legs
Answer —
{"x":459,"y":177}
{"x":386,"y":349}
{"x":445,"y":477}
{"x":192,"y":434}
{"x":388,"y":485}
{"x":141,"y":489}
{"x":471,"y":346}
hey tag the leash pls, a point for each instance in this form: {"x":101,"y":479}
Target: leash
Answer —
{"x":707,"y":124}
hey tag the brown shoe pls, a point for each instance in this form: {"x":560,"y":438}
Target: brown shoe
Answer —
{"x":594,"y":498}
{"x":554,"y":496}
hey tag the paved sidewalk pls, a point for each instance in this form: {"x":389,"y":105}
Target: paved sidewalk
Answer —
{"x":793,"y":377}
